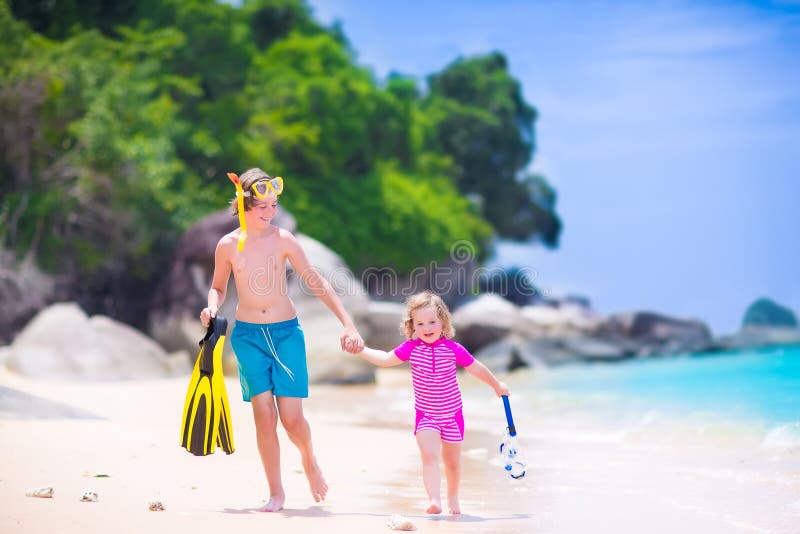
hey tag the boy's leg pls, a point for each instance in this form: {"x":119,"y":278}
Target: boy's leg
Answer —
{"x":430,"y":445}
{"x":298,"y":430}
{"x":451,"y":457}
{"x":265,"y":416}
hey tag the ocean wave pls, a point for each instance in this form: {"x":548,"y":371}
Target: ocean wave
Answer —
{"x":785,"y":438}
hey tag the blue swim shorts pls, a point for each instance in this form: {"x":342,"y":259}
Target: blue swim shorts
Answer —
{"x":271,"y":357}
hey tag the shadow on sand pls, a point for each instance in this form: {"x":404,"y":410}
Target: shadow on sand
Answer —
{"x":319,"y":511}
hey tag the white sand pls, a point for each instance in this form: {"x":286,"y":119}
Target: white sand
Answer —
{"x":372,"y":472}
{"x":371,"y":463}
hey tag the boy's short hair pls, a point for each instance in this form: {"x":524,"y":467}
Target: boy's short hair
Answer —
{"x":247,"y":179}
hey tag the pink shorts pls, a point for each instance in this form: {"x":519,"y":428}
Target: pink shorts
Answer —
{"x":450,"y":428}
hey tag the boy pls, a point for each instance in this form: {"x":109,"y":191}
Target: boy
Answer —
{"x":267,"y":338}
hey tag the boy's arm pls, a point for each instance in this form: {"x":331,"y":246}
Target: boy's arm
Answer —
{"x":219,"y":282}
{"x":482,"y":373}
{"x":380,"y":358}
{"x":350,"y":339}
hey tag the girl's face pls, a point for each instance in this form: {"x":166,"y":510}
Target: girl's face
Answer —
{"x":427,"y":325}
{"x":262,"y":212}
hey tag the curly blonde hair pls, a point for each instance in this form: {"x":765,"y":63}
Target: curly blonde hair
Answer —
{"x":423,"y":300}
{"x":247,"y":179}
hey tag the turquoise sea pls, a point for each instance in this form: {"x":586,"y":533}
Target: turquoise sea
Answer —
{"x":726,"y":394}
{"x":758,"y":385}
{"x":700,"y":442}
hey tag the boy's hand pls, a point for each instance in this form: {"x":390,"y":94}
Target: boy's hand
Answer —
{"x":502,"y":389}
{"x":351,"y":340}
{"x":206,"y":315}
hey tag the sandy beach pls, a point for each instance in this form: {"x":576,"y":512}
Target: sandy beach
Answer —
{"x":120,"y":439}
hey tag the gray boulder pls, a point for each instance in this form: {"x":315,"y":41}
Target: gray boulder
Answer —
{"x":451,"y":279}
{"x":560,"y":319}
{"x":484,"y":320}
{"x":653,"y":333}
{"x":593,"y":349}
{"x":24,"y":290}
{"x":382,"y":321}
{"x":750,"y":337}
{"x":765,"y":323}
{"x":327,"y":363}
{"x":63,"y":342}
{"x":508,"y":354}
{"x":547,"y":351}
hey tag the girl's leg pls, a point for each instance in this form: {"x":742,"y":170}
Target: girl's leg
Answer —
{"x":451,"y":456}
{"x":265,"y":415}
{"x":291,"y":414}
{"x":430,"y":445}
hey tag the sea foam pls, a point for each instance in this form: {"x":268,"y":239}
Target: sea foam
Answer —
{"x":785,"y":438}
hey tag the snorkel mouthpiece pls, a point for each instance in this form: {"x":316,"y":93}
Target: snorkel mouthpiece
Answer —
{"x":240,"y":208}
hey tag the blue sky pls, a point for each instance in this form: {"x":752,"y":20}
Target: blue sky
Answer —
{"x":671,"y":131}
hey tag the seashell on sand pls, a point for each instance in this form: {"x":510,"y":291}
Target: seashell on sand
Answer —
{"x":89,"y":496}
{"x":398,"y":522}
{"x":44,"y":493}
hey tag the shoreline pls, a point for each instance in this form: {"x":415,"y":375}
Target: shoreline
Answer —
{"x":584,"y":474}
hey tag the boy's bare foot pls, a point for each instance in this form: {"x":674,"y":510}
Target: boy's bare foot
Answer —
{"x":453,"y":506}
{"x":434,"y":508}
{"x":275,"y":504}
{"x":319,"y":488}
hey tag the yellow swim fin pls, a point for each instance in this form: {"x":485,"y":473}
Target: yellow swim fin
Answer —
{"x":206,"y":412}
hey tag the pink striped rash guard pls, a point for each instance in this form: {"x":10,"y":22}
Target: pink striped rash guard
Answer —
{"x":433,"y":374}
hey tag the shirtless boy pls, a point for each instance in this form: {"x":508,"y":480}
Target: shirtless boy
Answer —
{"x":267,"y":338}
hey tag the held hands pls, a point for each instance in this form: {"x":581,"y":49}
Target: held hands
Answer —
{"x":351,"y":340}
{"x":206,"y":315}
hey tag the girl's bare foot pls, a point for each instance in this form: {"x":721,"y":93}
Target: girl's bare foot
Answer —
{"x":453,"y":506}
{"x":275,"y":504}
{"x":434,"y":508}
{"x":319,"y":488}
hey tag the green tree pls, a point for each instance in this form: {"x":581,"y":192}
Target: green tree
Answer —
{"x":97,"y":195}
{"x":274,"y":20}
{"x":121,"y":119}
{"x":390,"y":219}
{"x":480,"y":119}
{"x":316,"y":110}
{"x":766,"y":312}
{"x":58,"y":19}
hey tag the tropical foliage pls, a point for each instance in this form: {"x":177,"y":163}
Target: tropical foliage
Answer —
{"x":120,"y":120}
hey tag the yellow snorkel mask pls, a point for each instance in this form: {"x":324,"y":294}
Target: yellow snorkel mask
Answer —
{"x":260,"y":189}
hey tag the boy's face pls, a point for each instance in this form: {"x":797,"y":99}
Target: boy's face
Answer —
{"x":427,"y":325}
{"x":261,"y":213}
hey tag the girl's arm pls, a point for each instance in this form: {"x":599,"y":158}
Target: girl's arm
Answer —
{"x":482,"y":373}
{"x":380,"y":358}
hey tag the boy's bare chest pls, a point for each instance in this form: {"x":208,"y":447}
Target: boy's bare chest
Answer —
{"x":254,"y":267}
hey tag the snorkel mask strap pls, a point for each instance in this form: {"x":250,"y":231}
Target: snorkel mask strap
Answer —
{"x":240,"y":209}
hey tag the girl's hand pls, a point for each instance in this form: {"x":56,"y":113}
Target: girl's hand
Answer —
{"x":501,"y":389}
{"x":351,"y":340}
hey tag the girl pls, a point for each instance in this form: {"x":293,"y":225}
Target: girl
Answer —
{"x":439,"y":424}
